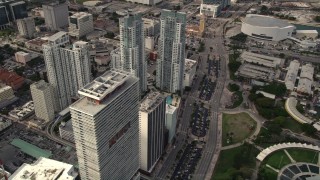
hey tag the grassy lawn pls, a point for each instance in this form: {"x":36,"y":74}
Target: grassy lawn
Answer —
{"x":245,"y":127}
{"x":304,"y":155}
{"x":224,"y":167}
{"x":81,"y":1}
{"x":277,"y":159}
{"x":293,"y":125}
{"x":228,"y":163}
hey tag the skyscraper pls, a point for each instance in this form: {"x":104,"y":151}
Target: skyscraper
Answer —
{"x":106,"y":127}
{"x":132,"y":48}
{"x":56,"y":15}
{"x":68,"y":67}
{"x":11,"y":10}
{"x":151,"y":124}
{"x":171,"y":53}
{"x":43,"y":99}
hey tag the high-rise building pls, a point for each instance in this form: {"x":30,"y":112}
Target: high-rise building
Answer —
{"x":115,"y":59}
{"x":56,"y":15}
{"x":80,"y":24}
{"x":18,"y":10}
{"x":68,"y":67}
{"x":106,"y":126}
{"x":151,"y":129}
{"x":171,"y":52}
{"x":43,"y":99}
{"x":11,"y":10}
{"x":132,"y":48}
{"x":26,"y":27}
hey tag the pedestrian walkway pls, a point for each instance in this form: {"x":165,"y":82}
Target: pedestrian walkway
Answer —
{"x":289,"y":156}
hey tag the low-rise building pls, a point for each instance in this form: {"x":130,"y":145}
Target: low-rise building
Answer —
{"x":291,"y":108}
{"x":66,"y":131}
{"x":256,"y":72}
{"x":292,"y":73}
{"x":190,"y":67}
{"x":307,"y":34}
{"x":35,"y":44}
{"x":210,"y":10}
{"x":149,"y":43}
{"x":260,"y":59}
{"x":45,"y":168}
{"x":22,"y":57}
{"x":306,"y":79}
{"x":4,"y":123}
{"x":23,"y":112}
{"x":11,"y":79}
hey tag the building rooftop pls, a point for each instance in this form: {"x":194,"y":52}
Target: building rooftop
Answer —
{"x":4,"y":88}
{"x":307,"y":71}
{"x":307,"y":31}
{"x":22,"y":53}
{"x":291,"y":75}
{"x":261,"y":59}
{"x":189,"y":64}
{"x":151,"y":101}
{"x":170,"y":109}
{"x":37,"y":41}
{"x":30,"y":149}
{"x":45,"y":169}
{"x":57,"y":36}
{"x":23,"y":111}
{"x":80,"y":15}
{"x":101,"y":91}
{"x":265,"y":21}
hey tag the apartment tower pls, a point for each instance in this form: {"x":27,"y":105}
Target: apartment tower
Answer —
{"x":106,"y":127}
{"x":43,"y":99}
{"x":152,"y":116}
{"x":68,"y":67}
{"x":132,"y":48}
{"x":171,"y":52}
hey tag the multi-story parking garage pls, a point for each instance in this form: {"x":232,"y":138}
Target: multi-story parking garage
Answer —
{"x":266,"y":27}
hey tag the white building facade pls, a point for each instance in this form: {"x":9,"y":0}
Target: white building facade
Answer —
{"x":43,"y":99}
{"x":106,"y":126}
{"x":146,"y":2}
{"x":80,"y":24}
{"x":266,"y":27}
{"x":132,"y":48}
{"x":171,"y":53}
{"x":68,"y":68}
{"x":152,"y":116}
{"x":210,"y":10}
{"x":171,"y":121}
{"x":26,"y":27}
{"x":56,"y":15}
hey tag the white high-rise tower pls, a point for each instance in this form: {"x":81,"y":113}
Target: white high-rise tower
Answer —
{"x":171,"y":53}
{"x":106,"y":127}
{"x":68,"y":67}
{"x":151,"y":124}
{"x":132,"y":48}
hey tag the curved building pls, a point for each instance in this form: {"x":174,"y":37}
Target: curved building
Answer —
{"x":266,"y":27}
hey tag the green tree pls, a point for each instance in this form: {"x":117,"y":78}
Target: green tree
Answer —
{"x":280,"y":120}
{"x":233,"y":87}
{"x":317,"y":18}
{"x":308,"y":129}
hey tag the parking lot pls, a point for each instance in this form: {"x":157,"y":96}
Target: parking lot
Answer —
{"x":200,"y":122}
{"x":188,"y":162}
{"x":206,"y":88}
